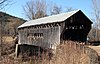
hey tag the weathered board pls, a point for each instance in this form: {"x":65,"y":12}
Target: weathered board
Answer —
{"x":47,"y":37}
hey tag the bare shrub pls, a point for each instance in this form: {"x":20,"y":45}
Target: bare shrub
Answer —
{"x":70,"y":53}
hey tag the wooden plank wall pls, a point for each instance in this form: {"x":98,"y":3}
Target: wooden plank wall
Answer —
{"x":45,"y":36}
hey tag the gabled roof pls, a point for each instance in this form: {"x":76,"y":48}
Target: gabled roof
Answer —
{"x":50,"y":19}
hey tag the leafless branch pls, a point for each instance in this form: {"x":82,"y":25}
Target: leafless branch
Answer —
{"x":35,"y":9}
{"x":4,"y":3}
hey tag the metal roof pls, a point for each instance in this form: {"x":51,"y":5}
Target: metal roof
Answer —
{"x":49,"y":19}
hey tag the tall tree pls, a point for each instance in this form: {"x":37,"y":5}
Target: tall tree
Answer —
{"x":96,"y":14}
{"x":4,"y":3}
{"x":56,"y":10}
{"x":68,"y":9}
{"x":35,"y":9}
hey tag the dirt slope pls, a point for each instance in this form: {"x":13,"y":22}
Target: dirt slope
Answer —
{"x":96,"y":48}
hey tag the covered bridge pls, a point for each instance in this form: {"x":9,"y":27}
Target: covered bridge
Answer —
{"x":50,"y":31}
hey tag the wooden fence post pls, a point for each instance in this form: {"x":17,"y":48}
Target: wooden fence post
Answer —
{"x":16,"y":50}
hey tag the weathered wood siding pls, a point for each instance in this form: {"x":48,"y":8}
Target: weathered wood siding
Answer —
{"x":48,"y":37}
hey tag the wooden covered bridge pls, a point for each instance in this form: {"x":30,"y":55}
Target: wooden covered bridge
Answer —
{"x":50,"y":31}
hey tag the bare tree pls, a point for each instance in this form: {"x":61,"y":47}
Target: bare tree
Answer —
{"x":96,"y":12}
{"x":1,"y":32}
{"x":68,"y":9}
{"x":35,"y":9}
{"x":56,"y":10}
{"x":4,"y":3}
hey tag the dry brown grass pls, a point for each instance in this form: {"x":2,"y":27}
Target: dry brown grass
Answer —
{"x":67,"y":53}
{"x":96,"y":48}
{"x":7,"y":39}
{"x":70,"y":53}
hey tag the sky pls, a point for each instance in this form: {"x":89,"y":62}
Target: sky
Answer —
{"x":16,"y":9}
